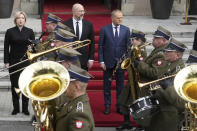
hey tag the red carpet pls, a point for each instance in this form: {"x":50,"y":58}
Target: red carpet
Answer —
{"x":99,"y":16}
{"x":62,"y":6}
{"x":97,"y":105}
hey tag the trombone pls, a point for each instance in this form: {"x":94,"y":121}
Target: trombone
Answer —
{"x":140,"y":85}
{"x":32,"y":56}
{"x":50,"y":40}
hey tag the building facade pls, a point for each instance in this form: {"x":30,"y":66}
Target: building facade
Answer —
{"x":128,"y":7}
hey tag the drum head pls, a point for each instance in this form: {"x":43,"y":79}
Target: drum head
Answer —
{"x":144,"y":107}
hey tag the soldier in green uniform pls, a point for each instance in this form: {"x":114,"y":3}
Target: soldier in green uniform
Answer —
{"x":192,"y":59}
{"x":171,"y":105}
{"x":67,"y":56}
{"x":76,"y":115}
{"x":63,"y":26}
{"x":51,"y":24}
{"x":62,"y":37}
{"x":137,"y":39}
{"x":154,"y":66}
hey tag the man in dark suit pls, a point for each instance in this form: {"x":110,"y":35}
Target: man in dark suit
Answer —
{"x":113,"y":43}
{"x":83,"y":29}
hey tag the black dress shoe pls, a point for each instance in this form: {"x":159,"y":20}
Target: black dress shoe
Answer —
{"x":107,"y":110}
{"x":26,"y":112}
{"x":125,"y":125}
{"x":118,"y":111}
{"x":138,"y":129}
{"x":14,"y":112}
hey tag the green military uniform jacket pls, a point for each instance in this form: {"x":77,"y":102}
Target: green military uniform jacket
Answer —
{"x":45,"y":45}
{"x":171,"y":105}
{"x":75,"y":116}
{"x":154,"y":66}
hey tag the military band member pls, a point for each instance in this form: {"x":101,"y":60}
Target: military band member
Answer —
{"x":62,"y":37}
{"x":171,"y":105}
{"x":51,"y":24}
{"x":76,"y":115}
{"x":67,"y":56}
{"x":125,"y":99}
{"x":192,"y":59}
{"x":63,"y":26}
{"x":154,"y":66}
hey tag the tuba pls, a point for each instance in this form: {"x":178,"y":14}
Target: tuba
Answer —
{"x":185,"y":84}
{"x":42,"y":82}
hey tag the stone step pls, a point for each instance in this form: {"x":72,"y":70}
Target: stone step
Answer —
{"x":5,"y":84}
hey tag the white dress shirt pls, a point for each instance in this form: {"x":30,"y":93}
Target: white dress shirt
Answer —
{"x":114,"y":29}
{"x":80,"y":26}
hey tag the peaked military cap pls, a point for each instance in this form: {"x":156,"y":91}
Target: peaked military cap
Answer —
{"x":64,"y":35}
{"x":62,"y":26}
{"x":53,"y":19}
{"x":76,"y":73}
{"x":138,"y":34}
{"x":68,"y":54}
{"x":161,"y":32}
{"x":192,"y":57}
{"x":175,"y":45}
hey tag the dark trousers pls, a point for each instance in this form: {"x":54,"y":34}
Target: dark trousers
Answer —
{"x":15,"y":100}
{"x":15,"y":97}
{"x":107,"y":85}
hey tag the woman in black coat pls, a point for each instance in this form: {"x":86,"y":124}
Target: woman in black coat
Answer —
{"x":15,"y":46}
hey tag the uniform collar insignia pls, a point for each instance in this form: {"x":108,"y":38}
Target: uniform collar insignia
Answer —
{"x":79,"y":106}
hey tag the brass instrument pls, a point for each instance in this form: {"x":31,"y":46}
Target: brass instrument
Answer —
{"x":137,"y":52}
{"x":154,"y":81}
{"x":42,"y":82}
{"x":126,"y":64}
{"x":74,"y":45}
{"x":34,"y":56}
{"x":185,"y":84}
{"x":49,"y":41}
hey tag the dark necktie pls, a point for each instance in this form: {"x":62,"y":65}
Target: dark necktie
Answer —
{"x":116,"y":33}
{"x":77,"y":30}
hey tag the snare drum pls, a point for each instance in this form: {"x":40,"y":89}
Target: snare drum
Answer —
{"x":144,"y":107}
